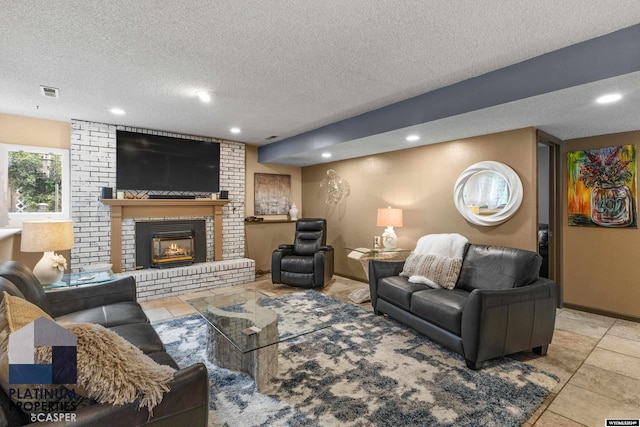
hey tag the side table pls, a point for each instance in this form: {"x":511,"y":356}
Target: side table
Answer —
{"x":81,"y":279}
{"x":364,"y":255}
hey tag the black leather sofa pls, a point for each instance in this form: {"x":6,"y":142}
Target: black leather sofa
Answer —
{"x":112,"y":305}
{"x":499,"y":305}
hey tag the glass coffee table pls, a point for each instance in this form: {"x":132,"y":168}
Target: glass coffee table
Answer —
{"x":245,"y":328}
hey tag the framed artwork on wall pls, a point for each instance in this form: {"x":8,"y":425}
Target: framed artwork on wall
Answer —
{"x":602,"y":187}
{"x":272,"y":194}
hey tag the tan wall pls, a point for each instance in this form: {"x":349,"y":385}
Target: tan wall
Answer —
{"x":252,"y":166}
{"x":19,"y":130}
{"x":420,"y":180}
{"x":262,"y":239}
{"x":10,"y":251}
{"x":600,"y":264}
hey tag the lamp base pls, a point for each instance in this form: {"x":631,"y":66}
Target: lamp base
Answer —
{"x":46,"y":274}
{"x":389,"y":238}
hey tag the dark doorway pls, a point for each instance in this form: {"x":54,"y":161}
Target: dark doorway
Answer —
{"x":550,"y":208}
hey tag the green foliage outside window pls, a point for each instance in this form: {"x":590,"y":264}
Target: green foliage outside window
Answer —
{"x":38,"y":177}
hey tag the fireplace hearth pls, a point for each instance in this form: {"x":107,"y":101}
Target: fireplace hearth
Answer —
{"x":165,"y":244}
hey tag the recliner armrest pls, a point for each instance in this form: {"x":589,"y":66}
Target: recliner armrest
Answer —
{"x":379,"y":270}
{"x":276,"y":260}
{"x":68,"y":300}
{"x":187,"y":403}
{"x":503,"y":321}
{"x":323,"y":261}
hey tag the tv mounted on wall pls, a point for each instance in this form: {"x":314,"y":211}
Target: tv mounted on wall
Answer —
{"x":162,"y":163}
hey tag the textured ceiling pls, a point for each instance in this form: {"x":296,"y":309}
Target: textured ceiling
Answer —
{"x":284,"y":68}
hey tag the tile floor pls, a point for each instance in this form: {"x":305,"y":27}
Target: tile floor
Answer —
{"x":597,"y":358}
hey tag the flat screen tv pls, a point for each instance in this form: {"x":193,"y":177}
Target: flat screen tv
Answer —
{"x":161,"y":163}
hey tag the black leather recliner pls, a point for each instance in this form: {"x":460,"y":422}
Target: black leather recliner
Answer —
{"x":308,"y":262}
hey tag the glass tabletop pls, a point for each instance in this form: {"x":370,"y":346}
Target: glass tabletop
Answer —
{"x":251,"y":320}
{"x":364,"y":250}
{"x":377,"y":253}
{"x":81,"y":279}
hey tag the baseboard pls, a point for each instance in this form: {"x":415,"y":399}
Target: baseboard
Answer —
{"x":348,"y":276}
{"x":602,"y":312}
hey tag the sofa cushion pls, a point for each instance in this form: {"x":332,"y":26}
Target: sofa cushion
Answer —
{"x":10,"y":288}
{"x":442,"y":307}
{"x":141,"y":335}
{"x":163,"y":358}
{"x":297,"y":264}
{"x":26,"y":282}
{"x":398,"y":290}
{"x":110,"y":315}
{"x":496,"y":267}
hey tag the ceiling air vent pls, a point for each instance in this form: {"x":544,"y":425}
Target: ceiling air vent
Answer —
{"x":50,"y":92}
{"x":271,"y":137}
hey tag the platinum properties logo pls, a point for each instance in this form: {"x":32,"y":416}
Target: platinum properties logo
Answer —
{"x":43,"y":403}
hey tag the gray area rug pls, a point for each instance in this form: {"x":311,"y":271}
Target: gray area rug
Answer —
{"x":364,"y":370}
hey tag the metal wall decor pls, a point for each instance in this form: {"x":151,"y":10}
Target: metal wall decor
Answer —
{"x":333,"y":188}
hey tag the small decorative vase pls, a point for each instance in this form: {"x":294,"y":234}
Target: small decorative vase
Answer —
{"x":293,"y":212}
{"x":611,"y":205}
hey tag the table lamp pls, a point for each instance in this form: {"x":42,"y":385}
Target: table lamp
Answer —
{"x":388,"y":217}
{"x":47,"y":237}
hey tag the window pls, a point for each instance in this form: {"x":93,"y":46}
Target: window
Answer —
{"x":35,"y":183}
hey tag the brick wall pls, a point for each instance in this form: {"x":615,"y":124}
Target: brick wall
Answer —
{"x":93,"y":166}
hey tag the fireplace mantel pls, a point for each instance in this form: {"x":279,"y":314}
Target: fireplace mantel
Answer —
{"x":141,"y":208}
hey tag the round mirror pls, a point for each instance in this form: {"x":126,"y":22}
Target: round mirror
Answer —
{"x":488,"y":193}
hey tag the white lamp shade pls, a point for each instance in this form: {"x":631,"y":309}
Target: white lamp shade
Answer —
{"x":46,"y":236}
{"x":389,"y":217}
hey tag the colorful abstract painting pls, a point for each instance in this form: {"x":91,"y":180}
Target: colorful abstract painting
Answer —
{"x":602,"y":187}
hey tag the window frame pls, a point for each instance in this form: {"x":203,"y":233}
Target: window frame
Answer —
{"x":17,"y":218}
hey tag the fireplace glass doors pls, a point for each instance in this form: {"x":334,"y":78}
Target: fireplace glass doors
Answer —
{"x":173,"y":248}
{"x":164,"y":244}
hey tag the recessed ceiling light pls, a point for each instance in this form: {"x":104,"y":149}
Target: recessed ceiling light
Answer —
{"x":118,"y":111}
{"x":609,"y":98}
{"x":413,"y":138}
{"x":326,"y":155}
{"x":204,"y":96}
{"x":235,"y":130}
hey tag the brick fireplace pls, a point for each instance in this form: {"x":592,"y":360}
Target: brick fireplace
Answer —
{"x":93,"y":157}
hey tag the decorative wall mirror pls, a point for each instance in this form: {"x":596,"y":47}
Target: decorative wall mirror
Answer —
{"x":488,"y":193}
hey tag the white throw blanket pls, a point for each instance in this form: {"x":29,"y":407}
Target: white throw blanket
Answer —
{"x":436,"y":260}
{"x":449,"y":245}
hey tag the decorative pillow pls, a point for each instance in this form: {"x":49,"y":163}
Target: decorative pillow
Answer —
{"x":21,"y":312}
{"x":112,"y":370}
{"x":433,"y":270}
{"x":15,"y":313}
